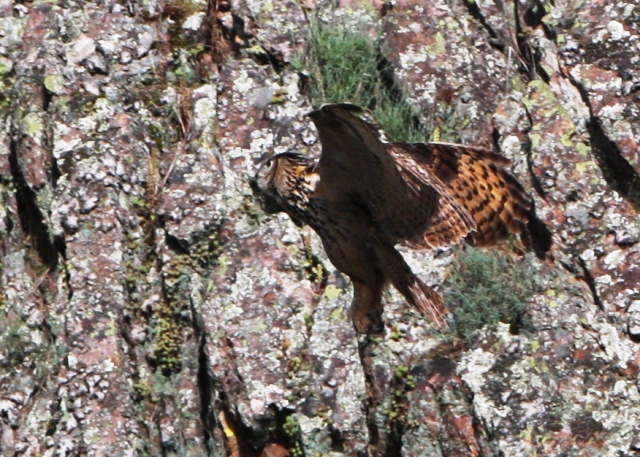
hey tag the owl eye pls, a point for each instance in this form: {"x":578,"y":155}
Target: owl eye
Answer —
{"x":269,"y":165}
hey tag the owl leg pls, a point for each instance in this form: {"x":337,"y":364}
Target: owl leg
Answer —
{"x":417,"y":293}
{"x":366,"y":308}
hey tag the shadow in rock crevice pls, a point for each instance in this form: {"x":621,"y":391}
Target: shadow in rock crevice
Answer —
{"x":30,"y":215}
{"x":616,"y":169}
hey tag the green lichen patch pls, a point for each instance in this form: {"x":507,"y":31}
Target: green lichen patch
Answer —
{"x":397,"y":409}
{"x":292,"y":431}
{"x":167,"y":339}
{"x":169,"y":321}
{"x":206,"y":250}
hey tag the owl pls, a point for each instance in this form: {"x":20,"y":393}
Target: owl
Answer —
{"x":364,"y":196}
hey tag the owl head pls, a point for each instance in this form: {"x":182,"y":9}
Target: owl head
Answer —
{"x":277,"y":175}
{"x":277,"y":180}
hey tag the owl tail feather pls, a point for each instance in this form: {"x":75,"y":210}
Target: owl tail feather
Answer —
{"x":428,"y":302}
{"x":398,"y":273}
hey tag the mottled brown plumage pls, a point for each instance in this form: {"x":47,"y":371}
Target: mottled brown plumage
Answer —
{"x":364,"y":196}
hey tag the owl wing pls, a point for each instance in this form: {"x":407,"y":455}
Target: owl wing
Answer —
{"x":356,"y":166}
{"x":475,"y":185}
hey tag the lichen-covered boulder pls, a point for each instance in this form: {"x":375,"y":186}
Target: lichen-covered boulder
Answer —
{"x":149,"y":305}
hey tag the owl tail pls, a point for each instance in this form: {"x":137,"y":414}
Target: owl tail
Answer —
{"x":417,"y":293}
{"x":428,"y":301}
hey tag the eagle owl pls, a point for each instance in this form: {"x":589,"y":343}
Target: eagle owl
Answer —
{"x":364,"y":196}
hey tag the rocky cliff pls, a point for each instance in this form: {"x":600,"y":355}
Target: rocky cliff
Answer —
{"x":149,"y":306}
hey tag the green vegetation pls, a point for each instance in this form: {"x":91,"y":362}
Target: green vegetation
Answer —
{"x":292,"y":431}
{"x":182,"y":47}
{"x":14,"y":344}
{"x":178,"y":11}
{"x":168,"y":329}
{"x":344,"y":64}
{"x":17,"y":349}
{"x":397,"y":408}
{"x":487,"y":287}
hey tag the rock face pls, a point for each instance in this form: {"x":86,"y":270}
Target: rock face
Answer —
{"x":149,"y":306}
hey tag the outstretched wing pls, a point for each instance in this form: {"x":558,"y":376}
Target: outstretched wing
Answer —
{"x":355,"y":165}
{"x":475,"y":185}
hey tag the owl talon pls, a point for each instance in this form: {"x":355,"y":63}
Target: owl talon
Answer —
{"x":376,"y":325}
{"x":369,"y":323}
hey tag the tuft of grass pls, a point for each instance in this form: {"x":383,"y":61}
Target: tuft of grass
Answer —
{"x":399,"y":121}
{"x":487,"y":287}
{"x":344,"y":64}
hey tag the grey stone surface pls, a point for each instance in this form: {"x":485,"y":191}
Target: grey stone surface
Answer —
{"x":149,"y":306}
